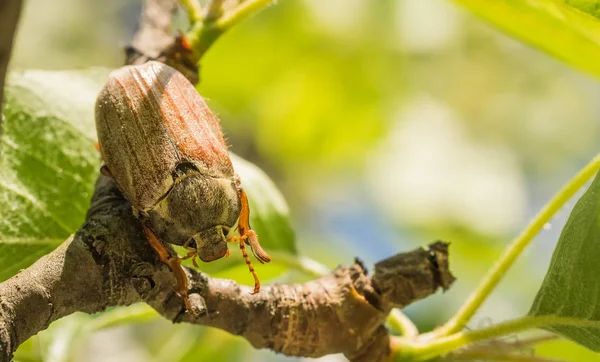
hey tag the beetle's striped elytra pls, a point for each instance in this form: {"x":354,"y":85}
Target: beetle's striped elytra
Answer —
{"x":165,"y":150}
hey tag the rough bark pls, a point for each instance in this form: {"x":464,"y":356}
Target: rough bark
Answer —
{"x":109,"y":263}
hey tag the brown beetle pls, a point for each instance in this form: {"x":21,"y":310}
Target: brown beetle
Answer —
{"x":164,"y":148}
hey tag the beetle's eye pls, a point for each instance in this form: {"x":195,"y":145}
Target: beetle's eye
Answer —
{"x":226,"y":230}
{"x":184,"y":168}
{"x":191,"y":244}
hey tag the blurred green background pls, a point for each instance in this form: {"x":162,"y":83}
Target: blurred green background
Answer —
{"x":386,"y":124}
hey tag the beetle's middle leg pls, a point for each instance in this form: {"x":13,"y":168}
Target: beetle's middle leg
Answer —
{"x":173,"y":262}
{"x":192,"y":253}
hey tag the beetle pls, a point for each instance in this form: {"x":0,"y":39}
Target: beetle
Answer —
{"x":165,"y":150}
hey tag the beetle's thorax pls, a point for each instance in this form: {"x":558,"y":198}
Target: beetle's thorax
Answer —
{"x":195,"y":204}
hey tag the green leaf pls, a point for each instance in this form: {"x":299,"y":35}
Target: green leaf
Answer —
{"x":571,"y":288}
{"x":561,"y":349}
{"x":48,"y":167}
{"x":48,"y":163}
{"x":567,"y":29}
{"x":211,"y":344}
{"x":21,"y":253}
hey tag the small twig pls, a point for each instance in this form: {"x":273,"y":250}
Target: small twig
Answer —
{"x":155,"y":41}
{"x":155,"y":31}
{"x":495,"y":274}
{"x":442,"y":345}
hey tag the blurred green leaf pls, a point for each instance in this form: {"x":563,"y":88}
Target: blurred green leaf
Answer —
{"x":591,"y":7}
{"x":48,"y":163}
{"x":137,"y":313}
{"x":217,"y":345}
{"x":571,"y":288}
{"x":567,"y":29}
{"x":48,"y":167}
{"x":59,"y":343}
{"x":562,"y":349}
{"x":64,"y":339}
{"x":205,"y":344}
{"x":318,"y":115}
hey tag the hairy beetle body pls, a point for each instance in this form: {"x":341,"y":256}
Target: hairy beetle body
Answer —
{"x":166,"y":152}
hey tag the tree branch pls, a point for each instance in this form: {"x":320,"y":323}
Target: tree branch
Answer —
{"x":10,"y":11}
{"x":109,"y":263}
{"x":155,"y":40}
{"x":154,"y":33}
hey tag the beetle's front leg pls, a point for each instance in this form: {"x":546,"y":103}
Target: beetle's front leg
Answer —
{"x":248,"y":236}
{"x":246,"y":232}
{"x":173,"y":262}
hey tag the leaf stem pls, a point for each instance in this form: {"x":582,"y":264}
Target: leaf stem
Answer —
{"x":495,"y":274}
{"x":204,"y":33}
{"x":422,"y":351}
{"x":401,"y":323}
{"x":241,"y":12}
{"x":214,"y":10}
{"x":193,"y":10}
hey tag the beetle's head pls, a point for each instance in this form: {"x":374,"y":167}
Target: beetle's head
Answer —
{"x":198,"y":211}
{"x":211,"y":244}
